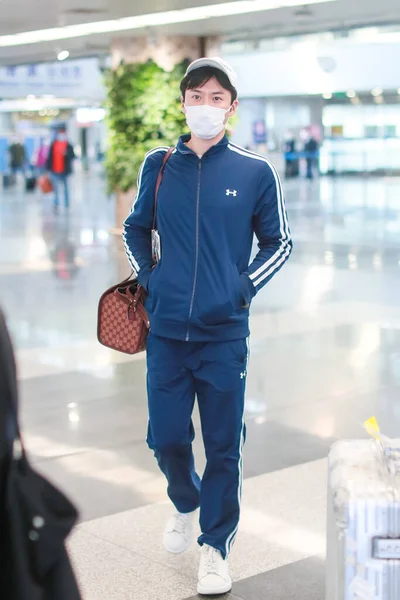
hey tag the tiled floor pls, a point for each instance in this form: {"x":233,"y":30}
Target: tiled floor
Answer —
{"x":325,"y":355}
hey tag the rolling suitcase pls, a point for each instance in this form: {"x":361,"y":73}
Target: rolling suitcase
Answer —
{"x":363,"y":536}
{"x":9,"y":180}
{"x":30,"y":183}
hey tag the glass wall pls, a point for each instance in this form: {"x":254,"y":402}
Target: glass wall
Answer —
{"x":260,"y":43}
{"x":363,"y":121}
{"x":361,"y":138}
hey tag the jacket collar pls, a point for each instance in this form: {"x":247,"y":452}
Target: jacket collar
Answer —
{"x":183,"y":149}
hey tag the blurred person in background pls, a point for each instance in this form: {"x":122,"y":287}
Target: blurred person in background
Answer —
{"x":59,"y":164}
{"x":291,"y":161}
{"x":213,"y":197}
{"x":17,"y":156}
{"x":42,"y":155}
{"x":311,"y":151}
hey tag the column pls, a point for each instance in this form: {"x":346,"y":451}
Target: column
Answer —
{"x":250,"y":111}
{"x":166,"y":51}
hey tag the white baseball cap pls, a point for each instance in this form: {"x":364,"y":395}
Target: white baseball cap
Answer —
{"x":216,"y":63}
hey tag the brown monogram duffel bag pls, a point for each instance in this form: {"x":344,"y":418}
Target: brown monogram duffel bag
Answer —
{"x":122,"y":321}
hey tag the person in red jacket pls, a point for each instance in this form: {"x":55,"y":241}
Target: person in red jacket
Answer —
{"x":59,"y":163}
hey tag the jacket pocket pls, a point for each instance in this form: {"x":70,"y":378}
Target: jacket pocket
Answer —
{"x":223,"y":301}
{"x":153,"y":275}
{"x":244,"y":301}
{"x":151,"y":288}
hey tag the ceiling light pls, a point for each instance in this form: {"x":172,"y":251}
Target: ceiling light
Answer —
{"x":327,"y":96}
{"x":351,"y":94}
{"x":365,"y":34}
{"x":303,"y":12}
{"x":170,"y":17}
{"x":377,"y":92}
{"x":62,"y":55}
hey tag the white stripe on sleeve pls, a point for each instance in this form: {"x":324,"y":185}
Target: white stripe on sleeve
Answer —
{"x":284,"y":248}
{"x":132,"y":260}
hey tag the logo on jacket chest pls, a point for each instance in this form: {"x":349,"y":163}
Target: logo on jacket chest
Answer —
{"x":231,"y":193}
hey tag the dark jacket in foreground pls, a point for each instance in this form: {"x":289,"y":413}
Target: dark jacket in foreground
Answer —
{"x":35,"y":518}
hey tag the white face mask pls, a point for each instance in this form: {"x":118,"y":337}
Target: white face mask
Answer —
{"x":205,"y":121}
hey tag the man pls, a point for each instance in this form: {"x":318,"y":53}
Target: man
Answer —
{"x":311,"y":152}
{"x":214,"y":195}
{"x":59,"y":163}
{"x":289,"y":152}
{"x":17,"y":156}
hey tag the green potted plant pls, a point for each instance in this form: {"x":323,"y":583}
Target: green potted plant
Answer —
{"x":143,"y":112}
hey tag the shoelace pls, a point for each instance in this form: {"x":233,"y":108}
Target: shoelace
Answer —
{"x":210,"y":560}
{"x":180,"y":524}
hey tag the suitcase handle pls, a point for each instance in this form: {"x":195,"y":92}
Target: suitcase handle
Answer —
{"x":386,"y":548}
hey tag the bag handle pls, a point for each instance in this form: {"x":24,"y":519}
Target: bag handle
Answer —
{"x":158,"y":183}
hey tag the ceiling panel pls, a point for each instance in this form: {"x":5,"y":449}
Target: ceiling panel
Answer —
{"x":25,"y":15}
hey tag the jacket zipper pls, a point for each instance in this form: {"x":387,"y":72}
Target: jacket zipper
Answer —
{"x":197,"y":249}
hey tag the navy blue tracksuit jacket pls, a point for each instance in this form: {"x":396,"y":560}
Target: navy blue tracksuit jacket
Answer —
{"x":198,"y":302}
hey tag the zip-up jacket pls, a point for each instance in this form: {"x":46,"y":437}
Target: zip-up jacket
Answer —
{"x":208,"y":211}
{"x":68,"y":159}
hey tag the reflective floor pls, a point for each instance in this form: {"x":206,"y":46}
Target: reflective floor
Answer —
{"x":325,"y":356}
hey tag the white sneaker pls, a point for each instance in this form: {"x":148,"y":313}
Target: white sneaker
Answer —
{"x":214,"y":576}
{"x":178,"y":533}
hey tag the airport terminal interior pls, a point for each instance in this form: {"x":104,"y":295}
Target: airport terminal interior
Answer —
{"x":325,"y":332}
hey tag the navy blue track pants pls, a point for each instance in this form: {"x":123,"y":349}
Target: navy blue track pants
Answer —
{"x":215,"y":372}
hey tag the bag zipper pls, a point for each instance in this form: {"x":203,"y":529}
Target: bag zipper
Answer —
{"x":197,"y":249}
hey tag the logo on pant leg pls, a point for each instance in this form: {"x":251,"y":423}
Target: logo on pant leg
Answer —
{"x":231,"y":193}
{"x":243,"y":375}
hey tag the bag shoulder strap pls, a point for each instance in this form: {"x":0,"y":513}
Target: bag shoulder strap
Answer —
{"x":158,"y":183}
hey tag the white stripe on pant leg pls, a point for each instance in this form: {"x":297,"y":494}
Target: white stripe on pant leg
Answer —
{"x":231,"y":539}
{"x":248,"y":352}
